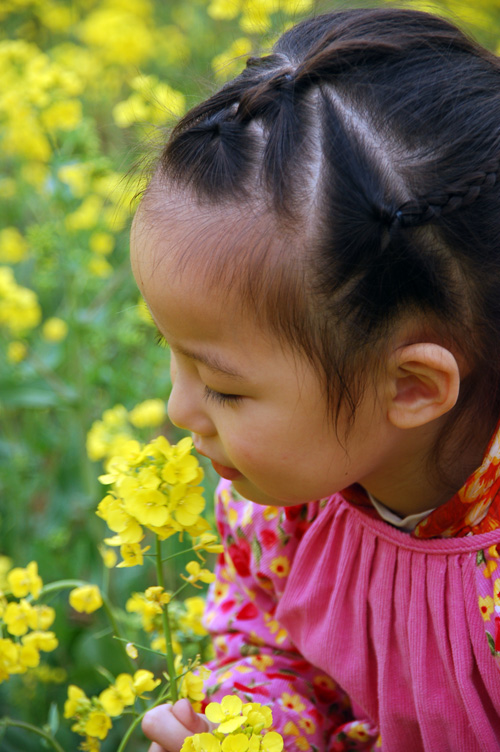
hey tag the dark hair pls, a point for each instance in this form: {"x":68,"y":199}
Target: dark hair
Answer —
{"x":372,"y":137}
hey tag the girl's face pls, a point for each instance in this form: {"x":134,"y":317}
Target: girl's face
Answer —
{"x":254,"y":407}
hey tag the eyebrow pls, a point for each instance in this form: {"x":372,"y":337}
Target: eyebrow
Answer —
{"x":213,"y":362}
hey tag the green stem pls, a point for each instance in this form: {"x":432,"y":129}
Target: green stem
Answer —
{"x":181,"y":588}
{"x":136,"y":722}
{"x":34,"y":730}
{"x":166,"y":626}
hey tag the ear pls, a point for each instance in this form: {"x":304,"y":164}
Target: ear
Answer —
{"x":425,"y":383}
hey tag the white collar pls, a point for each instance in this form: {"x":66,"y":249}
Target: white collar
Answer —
{"x":407,"y":524}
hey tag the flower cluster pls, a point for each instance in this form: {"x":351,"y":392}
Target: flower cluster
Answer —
{"x":106,"y":436}
{"x":255,"y":15}
{"x":151,"y":101}
{"x":240,"y":729}
{"x":154,"y":486}
{"x":93,"y":715}
{"x":39,"y":98}
{"x":27,"y":624}
{"x":19,"y":307}
{"x":185,"y":617}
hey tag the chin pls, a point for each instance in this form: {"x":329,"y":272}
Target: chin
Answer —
{"x":247,"y":489}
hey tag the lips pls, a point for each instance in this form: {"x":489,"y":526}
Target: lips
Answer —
{"x":229,"y":473}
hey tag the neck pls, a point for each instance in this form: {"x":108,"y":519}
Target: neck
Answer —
{"x":414,"y":483}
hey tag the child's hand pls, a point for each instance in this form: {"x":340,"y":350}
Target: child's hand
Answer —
{"x":168,"y":725}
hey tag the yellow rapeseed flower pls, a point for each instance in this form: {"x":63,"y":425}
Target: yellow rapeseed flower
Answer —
{"x":181,"y":470}
{"x":132,"y":110}
{"x":99,"y":267}
{"x":9,"y":659}
{"x":16,"y":351}
{"x":18,"y":617}
{"x":29,"y":656}
{"x":25,"y":581}
{"x":255,"y":18}
{"x":98,"y":724}
{"x":54,"y":329}
{"x":86,"y":599}
{"x":224,"y":10}
{"x":201,"y":743}
{"x":106,"y":437}
{"x":77,"y":702}
{"x":43,"y":617}
{"x":120,"y":694}
{"x":148,"y":414}
{"x":158,"y":595}
{"x":109,"y":556}
{"x":132,"y":555}
{"x":196,"y":573}
{"x":192,"y":685}
{"x":208,"y":542}
{"x":87,"y":214}
{"x":45,"y":641}
{"x":192,"y":619}
{"x":102,"y":243}
{"x":227,"y":64}
{"x":187,"y":503}
{"x":19,"y":307}
{"x":119,"y":36}
{"x":13,"y":246}
{"x":259,"y":716}
{"x":227,"y":713}
{"x":167,"y":103}
{"x":144,"y":681}
{"x":77,"y":176}
{"x":64,"y":115}
{"x":273,"y":742}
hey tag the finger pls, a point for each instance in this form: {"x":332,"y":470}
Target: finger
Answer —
{"x":183,"y":711}
{"x":155,"y":748}
{"x":161,"y":726}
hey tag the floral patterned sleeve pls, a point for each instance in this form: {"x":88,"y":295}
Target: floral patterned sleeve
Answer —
{"x":254,"y":656}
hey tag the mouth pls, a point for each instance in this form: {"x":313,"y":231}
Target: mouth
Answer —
{"x":229,"y":473}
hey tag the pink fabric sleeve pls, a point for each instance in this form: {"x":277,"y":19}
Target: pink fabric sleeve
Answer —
{"x":254,"y":656}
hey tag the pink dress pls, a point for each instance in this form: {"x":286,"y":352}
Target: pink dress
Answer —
{"x":360,"y":636}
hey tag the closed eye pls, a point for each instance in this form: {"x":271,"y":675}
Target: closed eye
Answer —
{"x":221,"y":398}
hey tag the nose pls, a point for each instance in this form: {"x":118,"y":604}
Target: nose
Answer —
{"x":186,"y":406}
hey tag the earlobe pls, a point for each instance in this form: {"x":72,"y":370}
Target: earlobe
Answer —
{"x":425,"y":383}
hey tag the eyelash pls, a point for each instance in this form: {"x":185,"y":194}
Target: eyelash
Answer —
{"x":221,"y":398}
{"x":160,"y":340}
{"x":210,"y":394}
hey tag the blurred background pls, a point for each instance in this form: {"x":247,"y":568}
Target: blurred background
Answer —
{"x":88,"y":91}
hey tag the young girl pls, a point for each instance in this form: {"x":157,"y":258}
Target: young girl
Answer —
{"x":319,"y":245}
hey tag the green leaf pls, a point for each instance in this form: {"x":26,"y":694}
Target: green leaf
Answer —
{"x":256,"y":550}
{"x":491,"y":643}
{"x":284,"y":537}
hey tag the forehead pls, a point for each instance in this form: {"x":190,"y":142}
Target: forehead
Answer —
{"x":179,"y":254}
{"x":235,"y":251}
{"x":197,"y":314}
